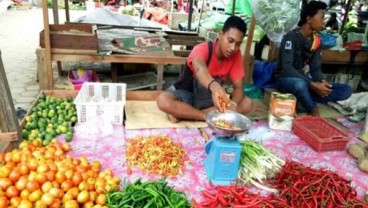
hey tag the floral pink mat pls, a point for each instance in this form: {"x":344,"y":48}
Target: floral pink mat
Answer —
{"x":110,"y":151}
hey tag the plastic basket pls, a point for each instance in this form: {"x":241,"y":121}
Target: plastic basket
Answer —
{"x":101,"y":100}
{"x":320,"y":134}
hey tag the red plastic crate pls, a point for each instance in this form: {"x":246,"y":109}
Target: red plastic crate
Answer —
{"x":320,"y":134}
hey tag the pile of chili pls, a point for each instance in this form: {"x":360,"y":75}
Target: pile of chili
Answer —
{"x":236,"y":196}
{"x":303,"y":186}
{"x":156,"y":154}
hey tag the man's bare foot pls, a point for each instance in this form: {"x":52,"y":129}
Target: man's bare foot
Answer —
{"x":173,"y":119}
{"x":314,"y":112}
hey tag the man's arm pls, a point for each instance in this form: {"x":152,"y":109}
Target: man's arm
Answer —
{"x":238,"y":92}
{"x":315,"y":67}
{"x":205,"y":79}
{"x":287,"y":51}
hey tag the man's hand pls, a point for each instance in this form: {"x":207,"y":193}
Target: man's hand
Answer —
{"x":322,"y":88}
{"x":219,"y":96}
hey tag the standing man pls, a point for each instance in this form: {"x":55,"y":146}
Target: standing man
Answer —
{"x":299,"y":63}
{"x":209,"y":65}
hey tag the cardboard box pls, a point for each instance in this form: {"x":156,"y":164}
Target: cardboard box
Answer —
{"x":72,"y":36}
{"x":282,"y":111}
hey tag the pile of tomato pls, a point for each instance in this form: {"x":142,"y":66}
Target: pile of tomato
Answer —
{"x":44,"y":176}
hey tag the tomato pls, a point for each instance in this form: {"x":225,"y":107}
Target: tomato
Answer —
{"x":67,"y":197}
{"x":25,"y":204}
{"x":12,"y":191}
{"x":77,"y":179}
{"x":46,"y":186}
{"x":33,"y":164}
{"x":32,"y":186}
{"x":4,"y":202}
{"x":71,"y":204}
{"x":66,"y":185}
{"x":5,"y":183}
{"x":88,"y":204}
{"x":43,"y":168}
{"x":41,"y":178}
{"x":60,"y":177}
{"x":15,"y":156}
{"x":92,"y":196}
{"x":83,"y":197}
{"x":24,"y":194}
{"x":55,"y":192}
{"x":68,"y":174}
{"x":21,"y":183}
{"x":83,"y":186}
{"x":5,"y":171}
{"x":35,"y":196}
{"x":39,"y":204}
{"x":55,"y":204}
{"x":14,"y":175}
{"x":23,"y":169}
{"x":47,"y":199}
{"x":101,"y":199}
{"x":74,"y":192}
{"x":15,"y":201}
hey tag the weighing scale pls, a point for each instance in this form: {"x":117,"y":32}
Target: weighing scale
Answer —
{"x":223,"y":150}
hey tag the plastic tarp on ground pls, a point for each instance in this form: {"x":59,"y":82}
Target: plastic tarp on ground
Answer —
{"x":103,"y":16}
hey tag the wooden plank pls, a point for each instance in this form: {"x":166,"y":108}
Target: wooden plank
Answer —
{"x":43,"y":79}
{"x":142,"y":95}
{"x":343,"y":57}
{"x":47,"y":53}
{"x":73,"y":51}
{"x":9,"y":136}
{"x":8,"y":118}
{"x":185,"y":38}
{"x":183,"y":53}
{"x":186,"y":43}
{"x":246,"y":57}
{"x":119,"y":58}
{"x":160,"y":76}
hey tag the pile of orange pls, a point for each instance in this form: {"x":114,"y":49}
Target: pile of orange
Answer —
{"x":39,"y":176}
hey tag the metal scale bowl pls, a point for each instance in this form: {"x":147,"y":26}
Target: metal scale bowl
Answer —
{"x":223,"y":150}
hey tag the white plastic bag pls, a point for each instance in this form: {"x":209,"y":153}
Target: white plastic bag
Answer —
{"x":276,"y":17}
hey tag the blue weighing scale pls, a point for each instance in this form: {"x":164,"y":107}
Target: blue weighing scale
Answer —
{"x":223,"y":150}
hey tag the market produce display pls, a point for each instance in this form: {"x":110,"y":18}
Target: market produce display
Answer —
{"x":236,"y":196}
{"x":276,"y":17}
{"x":39,"y":176}
{"x":303,"y":186}
{"x":359,"y":151}
{"x":155,"y":193}
{"x":257,"y":164}
{"x":49,"y":118}
{"x":156,"y":154}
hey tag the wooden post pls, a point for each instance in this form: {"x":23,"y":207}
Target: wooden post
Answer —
{"x":47,"y":58}
{"x":55,"y":11}
{"x":246,"y":57}
{"x":233,"y":9}
{"x":8,"y":119}
{"x":190,"y":15}
{"x":345,"y":16}
{"x":67,"y":16}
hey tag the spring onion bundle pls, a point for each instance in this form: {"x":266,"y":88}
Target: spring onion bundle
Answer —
{"x":257,"y":164}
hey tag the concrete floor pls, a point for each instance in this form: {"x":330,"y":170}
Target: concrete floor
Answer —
{"x":19,"y":39}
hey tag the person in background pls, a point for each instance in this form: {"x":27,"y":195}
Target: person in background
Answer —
{"x":298,"y":69}
{"x":332,"y":22}
{"x":209,"y":65}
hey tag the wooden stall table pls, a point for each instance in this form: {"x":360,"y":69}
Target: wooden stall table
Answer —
{"x":343,"y":57}
{"x":160,"y":58}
